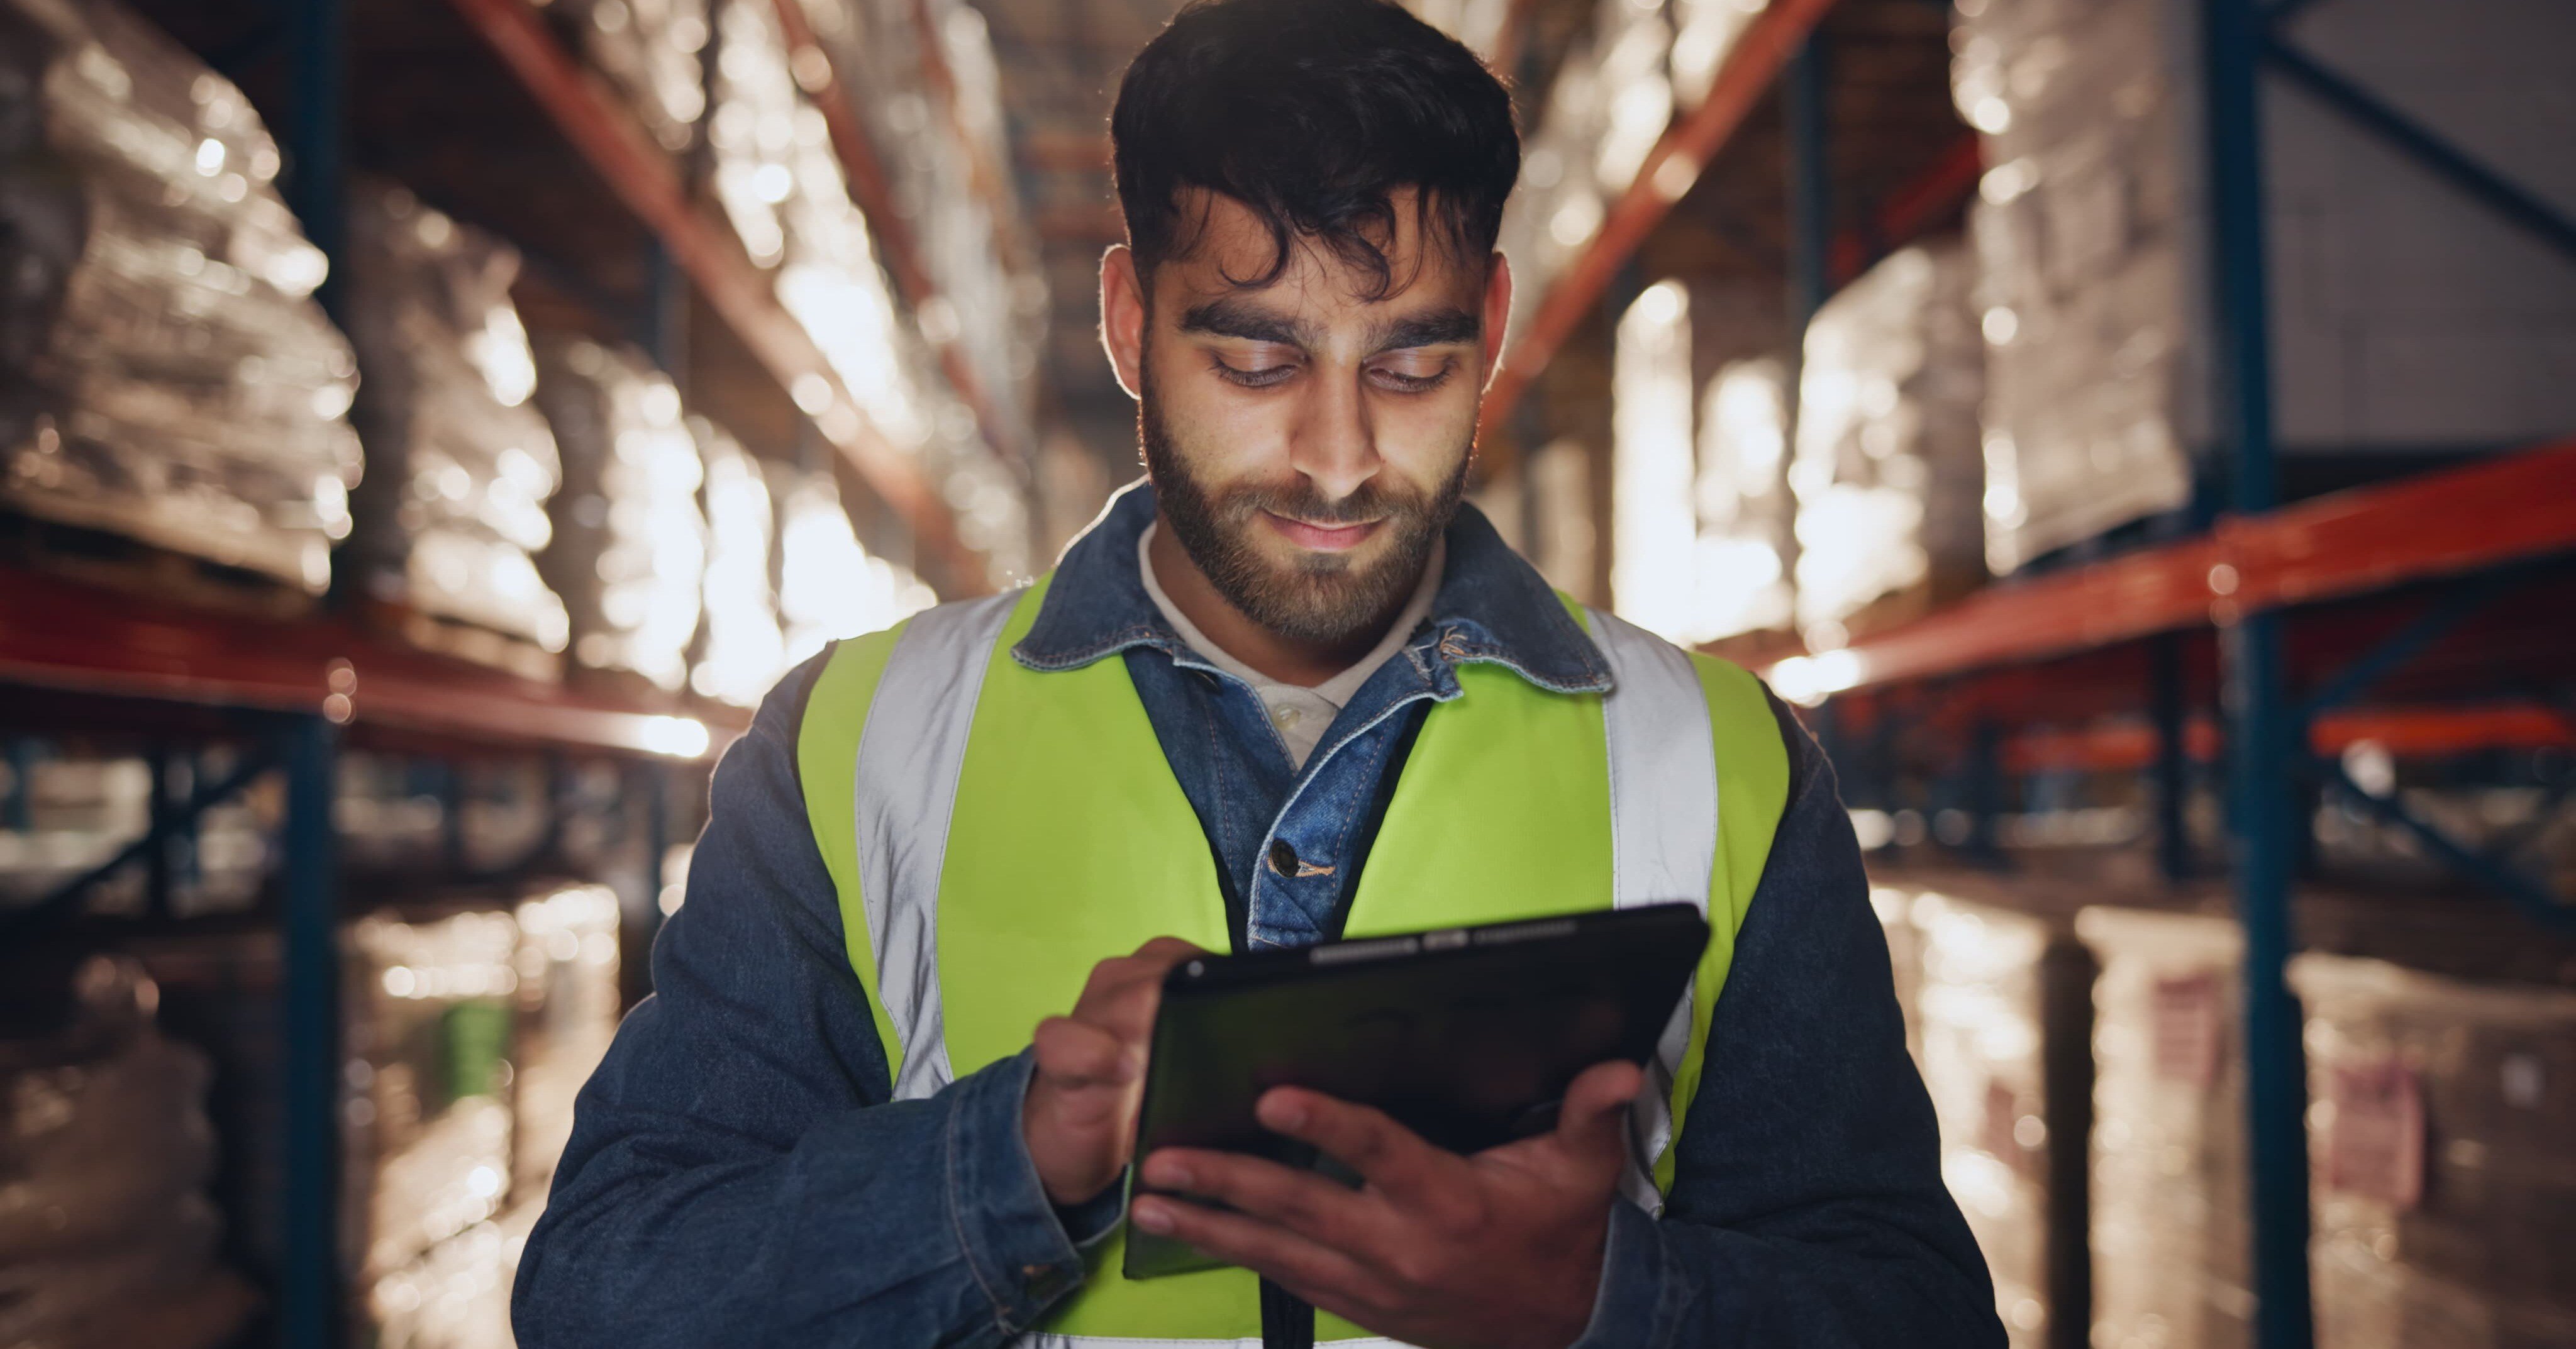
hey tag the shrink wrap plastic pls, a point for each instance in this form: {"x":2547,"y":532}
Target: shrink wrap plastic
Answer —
{"x":2404,"y":316}
{"x":2002,"y":1026}
{"x":164,"y":371}
{"x":2170,"y":1253}
{"x":1700,"y":521}
{"x":652,"y":53}
{"x":452,"y":517}
{"x":1611,"y":101}
{"x":745,"y":651}
{"x":2442,"y":1132}
{"x":568,"y":1009}
{"x":946,"y":162}
{"x":104,"y":1154}
{"x":457,"y":1295}
{"x":780,"y":184}
{"x":431,"y":1028}
{"x":630,"y":547}
{"x":828,"y":586}
{"x":1746,"y":513}
{"x":1889,"y":474}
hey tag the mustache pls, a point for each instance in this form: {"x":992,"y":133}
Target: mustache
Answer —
{"x":1302,"y":502}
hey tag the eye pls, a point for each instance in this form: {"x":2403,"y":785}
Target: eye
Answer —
{"x":1422,"y":377}
{"x":1261,"y":377}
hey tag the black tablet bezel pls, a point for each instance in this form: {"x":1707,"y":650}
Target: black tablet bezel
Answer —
{"x":1611,"y":948}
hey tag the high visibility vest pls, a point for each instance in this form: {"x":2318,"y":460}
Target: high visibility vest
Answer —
{"x":995,"y":831}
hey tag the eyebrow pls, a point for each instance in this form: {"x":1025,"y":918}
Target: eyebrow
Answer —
{"x":1234,"y":318}
{"x":1439,"y":328}
{"x":1231,"y":317}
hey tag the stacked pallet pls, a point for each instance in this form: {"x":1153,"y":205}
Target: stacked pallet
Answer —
{"x":165,"y":374}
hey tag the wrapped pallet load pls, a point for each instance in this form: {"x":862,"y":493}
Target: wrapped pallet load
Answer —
{"x":782,"y":189}
{"x":107,"y":1238}
{"x":2171,"y":1262}
{"x":829,"y":587}
{"x":429,"y":1042}
{"x":2442,"y":1138}
{"x":451,"y":520}
{"x":165,"y":374}
{"x":2405,"y":317}
{"x":744,"y":651}
{"x":455,"y":1292}
{"x":1699,"y":508}
{"x":568,"y":1008}
{"x":2005,"y":1022}
{"x":921,"y":77}
{"x":629,"y":550}
{"x":651,"y":52}
{"x":1888,"y":473}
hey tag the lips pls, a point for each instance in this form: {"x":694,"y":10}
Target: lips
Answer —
{"x":1322,"y":538}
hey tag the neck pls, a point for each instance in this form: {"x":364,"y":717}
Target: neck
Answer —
{"x":1276,"y":655}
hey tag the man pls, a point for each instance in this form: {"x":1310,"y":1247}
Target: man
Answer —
{"x":1291,"y":689}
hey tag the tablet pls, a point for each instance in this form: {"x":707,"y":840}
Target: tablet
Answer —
{"x":1467,"y":1036}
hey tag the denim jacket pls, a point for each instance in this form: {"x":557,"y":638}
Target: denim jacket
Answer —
{"x":738,"y":1174}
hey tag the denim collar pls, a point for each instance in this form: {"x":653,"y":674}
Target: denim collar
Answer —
{"x":1491,"y":607}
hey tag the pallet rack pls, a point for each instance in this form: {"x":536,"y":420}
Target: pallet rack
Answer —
{"x":651,"y":186}
{"x":2439,"y":545}
{"x":292,"y":694}
{"x":295,"y":693}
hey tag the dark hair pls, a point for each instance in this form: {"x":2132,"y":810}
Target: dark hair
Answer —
{"x":1312,"y":113}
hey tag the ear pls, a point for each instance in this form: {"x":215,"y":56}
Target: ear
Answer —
{"x":1497,"y":315}
{"x":1122,"y":318}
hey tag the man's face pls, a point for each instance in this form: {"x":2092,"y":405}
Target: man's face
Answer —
{"x":1307,"y":442}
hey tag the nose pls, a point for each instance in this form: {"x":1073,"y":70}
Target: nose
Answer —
{"x":1333,"y":443}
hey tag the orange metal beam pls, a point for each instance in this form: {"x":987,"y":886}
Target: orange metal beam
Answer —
{"x":1666,"y":177}
{"x":1912,"y":208}
{"x":2407,"y":732}
{"x":2436,"y":524}
{"x":82,"y":639}
{"x":644,"y":178}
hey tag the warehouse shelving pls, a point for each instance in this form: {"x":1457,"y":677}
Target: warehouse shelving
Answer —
{"x":292,"y":693}
{"x":651,"y":186}
{"x":869,"y":187}
{"x":285,"y":689}
{"x":1665,"y":177}
{"x":2109,"y":637}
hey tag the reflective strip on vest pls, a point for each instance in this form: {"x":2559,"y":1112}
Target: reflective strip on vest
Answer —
{"x":909,"y":756}
{"x":1663,"y":807}
{"x":1663,"y":830}
{"x":905,"y":706}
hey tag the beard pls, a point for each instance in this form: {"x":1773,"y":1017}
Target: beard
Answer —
{"x":1323,"y":598}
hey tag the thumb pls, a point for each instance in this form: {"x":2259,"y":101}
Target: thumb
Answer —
{"x":1592,"y":1125}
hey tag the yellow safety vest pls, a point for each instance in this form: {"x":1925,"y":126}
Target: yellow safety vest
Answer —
{"x":996,"y":831}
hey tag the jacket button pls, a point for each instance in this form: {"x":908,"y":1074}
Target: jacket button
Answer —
{"x":1283,"y":859}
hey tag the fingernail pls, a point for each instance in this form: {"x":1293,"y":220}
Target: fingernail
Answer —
{"x":1170,"y":1175}
{"x":1153,"y":1217}
{"x":1283,"y":1113}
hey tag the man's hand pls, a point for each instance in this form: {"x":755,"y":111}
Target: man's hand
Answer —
{"x":1079,"y":1118}
{"x":1501,"y":1250}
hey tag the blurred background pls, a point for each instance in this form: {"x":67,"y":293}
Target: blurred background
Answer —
{"x":2135,"y":432}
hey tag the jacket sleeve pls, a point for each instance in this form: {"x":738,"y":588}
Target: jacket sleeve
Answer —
{"x":737,"y":1173}
{"x":1807,"y":1209}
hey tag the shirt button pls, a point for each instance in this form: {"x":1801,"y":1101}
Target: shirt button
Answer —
{"x":1283,"y":859}
{"x":1285,"y":717}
